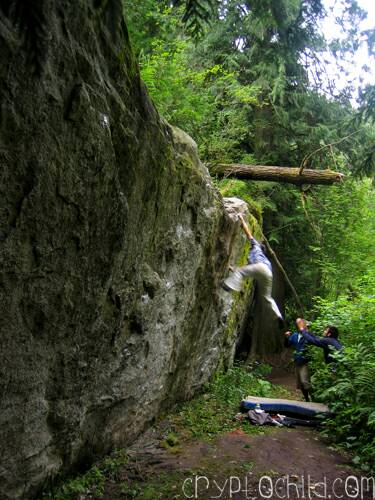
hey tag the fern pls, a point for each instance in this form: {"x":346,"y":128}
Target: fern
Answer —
{"x":350,"y":390}
{"x":197,"y":14}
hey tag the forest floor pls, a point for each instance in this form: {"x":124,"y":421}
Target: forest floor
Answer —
{"x":242,"y":462}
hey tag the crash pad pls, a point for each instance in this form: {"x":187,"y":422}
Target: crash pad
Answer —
{"x":286,"y":406}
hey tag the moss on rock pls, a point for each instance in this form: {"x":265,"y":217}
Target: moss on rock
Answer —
{"x":114,"y":244}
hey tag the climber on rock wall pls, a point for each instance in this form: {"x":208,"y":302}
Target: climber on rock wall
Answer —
{"x":258,"y":267}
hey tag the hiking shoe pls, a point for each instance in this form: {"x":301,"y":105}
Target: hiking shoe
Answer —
{"x":233,"y":283}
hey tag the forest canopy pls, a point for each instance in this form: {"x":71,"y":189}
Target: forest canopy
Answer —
{"x":254,"y":89}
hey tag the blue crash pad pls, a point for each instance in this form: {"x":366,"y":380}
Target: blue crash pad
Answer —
{"x":286,"y":406}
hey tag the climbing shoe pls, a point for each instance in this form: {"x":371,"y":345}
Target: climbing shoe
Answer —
{"x":233,"y":283}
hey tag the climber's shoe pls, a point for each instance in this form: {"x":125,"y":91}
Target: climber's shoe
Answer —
{"x":233,"y":283}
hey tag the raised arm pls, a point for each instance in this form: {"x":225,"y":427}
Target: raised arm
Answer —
{"x":245,"y":227}
{"x":313,"y":339}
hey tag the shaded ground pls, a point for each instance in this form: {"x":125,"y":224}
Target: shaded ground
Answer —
{"x":278,"y":463}
{"x":286,"y":378}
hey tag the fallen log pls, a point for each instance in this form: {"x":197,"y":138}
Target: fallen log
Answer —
{"x":290,"y":175}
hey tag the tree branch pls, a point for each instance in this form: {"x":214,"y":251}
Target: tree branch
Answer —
{"x":303,"y":162}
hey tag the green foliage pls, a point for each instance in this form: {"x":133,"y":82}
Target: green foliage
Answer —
{"x":347,"y":229}
{"x":243,"y":92}
{"x":147,"y":21}
{"x":208,"y":102}
{"x":91,"y":483}
{"x":243,"y":190}
{"x":349,"y":390}
{"x":212,"y":413}
{"x":173,"y":86}
{"x":326,"y":245}
{"x":197,"y":14}
{"x":367,"y":103}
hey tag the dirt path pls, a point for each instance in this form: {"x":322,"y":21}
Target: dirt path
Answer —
{"x":280,"y":463}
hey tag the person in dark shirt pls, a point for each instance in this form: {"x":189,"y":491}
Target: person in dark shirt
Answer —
{"x":329,"y":342}
{"x":301,"y":357}
{"x":259,"y":268}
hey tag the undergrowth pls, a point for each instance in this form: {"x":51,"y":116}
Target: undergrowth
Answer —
{"x":92,"y":483}
{"x":349,"y":389}
{"x":204,"y":417}
{"x":211,"y":413}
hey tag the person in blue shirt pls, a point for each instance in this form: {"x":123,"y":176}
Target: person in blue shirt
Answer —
{"x":259,"y":268}
{"x":329,"y":342}
{"x":301,"y":357}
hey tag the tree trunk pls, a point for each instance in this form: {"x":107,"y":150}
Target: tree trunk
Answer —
{"x":276,"y":174}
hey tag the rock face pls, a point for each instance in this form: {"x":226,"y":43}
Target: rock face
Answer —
{"x":113,"y":247}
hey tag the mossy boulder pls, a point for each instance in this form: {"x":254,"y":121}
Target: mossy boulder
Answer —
{"x":114,"y":243}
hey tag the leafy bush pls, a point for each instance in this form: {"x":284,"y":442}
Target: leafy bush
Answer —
{"x":349,"y":390}
{"x":208,"y":102}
